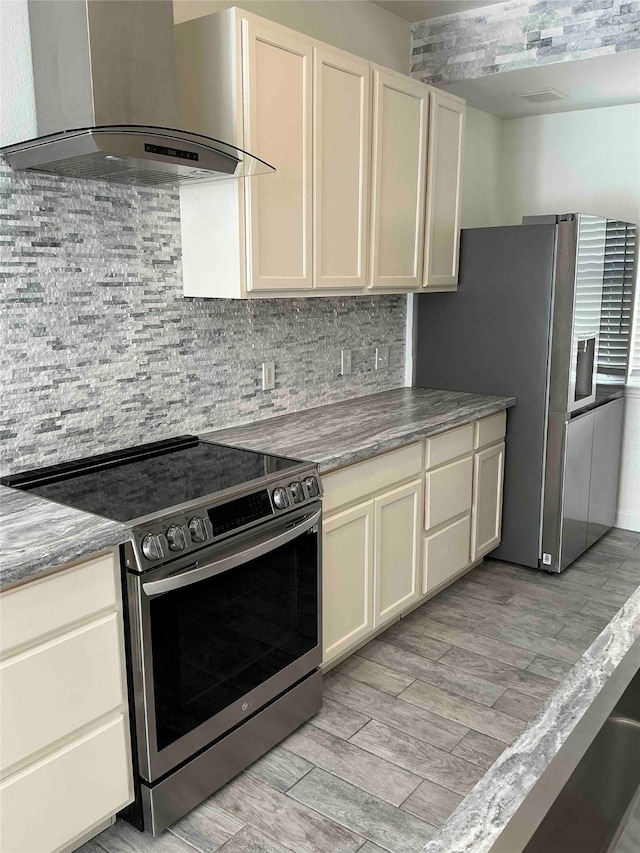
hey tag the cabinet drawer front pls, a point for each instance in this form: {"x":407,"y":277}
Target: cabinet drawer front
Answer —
{"x":57,"y":799}
{"x":449,"y":491}
{"x":374,"y":475}
{"x":52,"y":690}
{"x":27,"y":612}
{"x":490,"y":430}
{"x":446,"y":553}
{"x":448,"y":445}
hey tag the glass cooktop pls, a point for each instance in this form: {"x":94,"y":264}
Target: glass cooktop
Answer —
{"x":150,"y":478}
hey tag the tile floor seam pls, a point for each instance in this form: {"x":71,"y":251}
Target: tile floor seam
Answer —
{"x":416,"y":788}
{"x":193,"y":846}
{"x":432,"y":713}
{"x":480,"y":705}
{"x":506,"y":642}
{"x":433,"y":746}
{"x":460,"y":672}
{"x":339,"y":823}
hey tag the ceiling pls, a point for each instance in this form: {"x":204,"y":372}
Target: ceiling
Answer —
{"x":601,"y":81}
{"x":420,"y":10}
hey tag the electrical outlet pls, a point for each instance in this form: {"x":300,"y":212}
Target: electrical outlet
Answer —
{"x":382,"y":358}
{"x":345,"y":362}
{"x":268,"y":376}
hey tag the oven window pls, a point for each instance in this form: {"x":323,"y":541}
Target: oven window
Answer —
{"x":216,"y":640}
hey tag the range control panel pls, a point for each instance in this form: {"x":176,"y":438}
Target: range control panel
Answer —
{"x":159,"y":542}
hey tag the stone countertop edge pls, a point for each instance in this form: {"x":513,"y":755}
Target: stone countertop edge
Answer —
{"x":483,"y":815}
{"x":357,"y":431}
{"x":38,"y":536}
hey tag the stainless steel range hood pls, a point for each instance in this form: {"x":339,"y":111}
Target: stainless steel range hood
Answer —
{"x":106,"y":98}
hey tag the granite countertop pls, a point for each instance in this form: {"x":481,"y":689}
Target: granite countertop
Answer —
{"x":342,"y":433}
{"x":37,"y":535}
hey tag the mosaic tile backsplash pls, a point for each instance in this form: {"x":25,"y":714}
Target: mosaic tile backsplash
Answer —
{"x":100,"y":350}
{"x":521,"y":34}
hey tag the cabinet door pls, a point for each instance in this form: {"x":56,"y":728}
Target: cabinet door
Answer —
{"x":277,"y":89}
{"x":487,"y":500}
{"x":397,"y":550}
{"x":341,"y":168}
{"x":446,"y":139}
{"x":347,"y":568}
{"x":400,"y":117}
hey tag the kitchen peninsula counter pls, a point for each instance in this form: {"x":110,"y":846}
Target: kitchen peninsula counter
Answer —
{"x":340,"y":434}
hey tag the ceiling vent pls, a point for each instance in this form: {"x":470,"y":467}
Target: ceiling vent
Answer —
{"x":542,"y":96}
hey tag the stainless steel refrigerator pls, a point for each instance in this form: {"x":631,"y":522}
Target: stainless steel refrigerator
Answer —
{"x":543,"y":313}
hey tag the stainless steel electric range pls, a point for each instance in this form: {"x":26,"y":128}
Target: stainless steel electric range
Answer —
{"x":222,"y":582}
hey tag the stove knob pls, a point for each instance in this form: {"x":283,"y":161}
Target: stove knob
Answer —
{"x":152,"y":547}
{"x":297,"y":492}
{"x":311,"y":485}
{"x":198,"y":529}
{"x":176,"y":538}
{"x":280,"y":498}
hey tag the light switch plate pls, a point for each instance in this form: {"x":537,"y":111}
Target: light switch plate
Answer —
{"x":345,"y":362}
{"x":382,"y":358}
{"x":268,"y":376}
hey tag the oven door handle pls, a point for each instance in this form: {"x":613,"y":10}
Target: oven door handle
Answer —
{"x":217,"y":567}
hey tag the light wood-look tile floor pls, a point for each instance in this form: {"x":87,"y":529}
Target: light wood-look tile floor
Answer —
{"x":413,"y":720}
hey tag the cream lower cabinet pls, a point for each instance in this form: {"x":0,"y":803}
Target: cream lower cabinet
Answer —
{"x":396,"y":551}
{"x":463,"y":498}
{"x":487,"y":500}
{"x":64,"y":730}
{"x":401,"y":526}
{"x":347,"y":561}
{"x":371,"y":550}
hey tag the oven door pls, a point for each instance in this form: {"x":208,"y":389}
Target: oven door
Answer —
{"x":214,"y":641}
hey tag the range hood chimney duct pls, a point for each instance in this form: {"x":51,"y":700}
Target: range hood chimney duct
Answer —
{"x":106,"y":97}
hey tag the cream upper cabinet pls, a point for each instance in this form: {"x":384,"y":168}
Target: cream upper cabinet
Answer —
{"x":344,"y":212}
{"x":278,"y":115}
{"x":442,"y":235}
{"x":347,"y":572}
{"x":397,"y":550}
{"x":342,"y":141}
{"x":398,"y":179}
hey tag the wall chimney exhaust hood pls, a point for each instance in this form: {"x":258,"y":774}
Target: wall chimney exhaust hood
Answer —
{"x":106,"y":98}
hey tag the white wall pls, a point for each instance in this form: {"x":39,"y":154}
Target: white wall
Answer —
{"x":357,"y":26}
{"x":481,"y":198}
{"x":587,"y":161}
